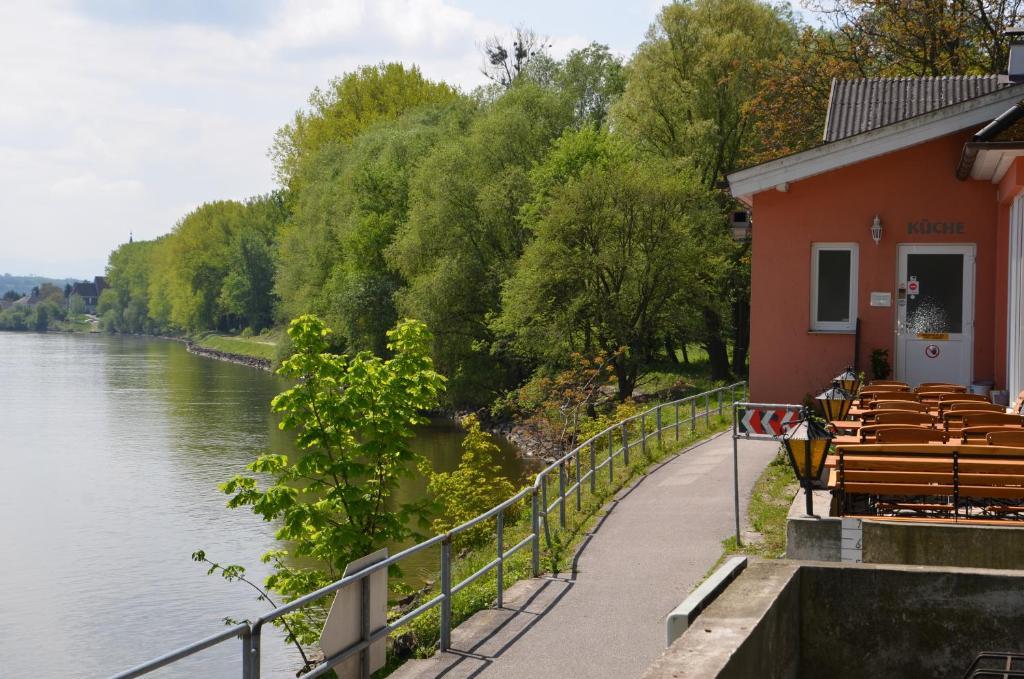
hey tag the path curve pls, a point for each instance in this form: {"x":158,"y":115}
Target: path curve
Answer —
{"x":657,"y":541}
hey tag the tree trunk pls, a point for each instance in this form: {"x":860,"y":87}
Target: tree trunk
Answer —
{"x":670,"y":349}
{"x":626,"y":378}
{"x":686,"y":356}
{"x":718,"y":354}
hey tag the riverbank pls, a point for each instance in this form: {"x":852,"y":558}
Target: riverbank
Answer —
{"x":230,"y":357}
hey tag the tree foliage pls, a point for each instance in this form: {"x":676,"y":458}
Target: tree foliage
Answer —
{"x":474,"y":487}
{"x":352,"y":417}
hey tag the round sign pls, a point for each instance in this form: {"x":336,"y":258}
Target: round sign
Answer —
{"x":932,"y":351}
{"x":913,"y":287}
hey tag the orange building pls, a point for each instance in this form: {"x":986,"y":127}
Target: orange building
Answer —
{"x":902,"y":233}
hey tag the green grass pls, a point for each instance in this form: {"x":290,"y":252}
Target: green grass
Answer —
{"x":556,"y":554}
{"x":261,"y":346}
{"x":682,"y":379}
{"x":79,"y":324}
{"x":769,"y":506}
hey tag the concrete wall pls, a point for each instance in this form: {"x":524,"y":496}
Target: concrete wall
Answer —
{"x":752,"y":632}
{"x":899,"y":542}
{"x":870,"y":621}
{"x":784,"y":619}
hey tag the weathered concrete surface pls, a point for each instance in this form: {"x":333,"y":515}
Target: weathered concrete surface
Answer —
{"x":752,"y":632}
{"x":810,"y":538}
{"x":861,"y":620}
{"x":608,"y":618}
{"x":926,"y":544}
{"x":903,"y":542}
{"x":790,"y":619}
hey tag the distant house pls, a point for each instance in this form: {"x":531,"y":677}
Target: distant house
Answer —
{"x":90,"y":292}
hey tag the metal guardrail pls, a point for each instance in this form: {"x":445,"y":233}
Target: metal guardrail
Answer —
{"x":614,"y":441}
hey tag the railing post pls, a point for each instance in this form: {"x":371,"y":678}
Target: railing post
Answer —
{"x":718,"y":393}
{"x":561,"y":494}
{"x":500,"y":519}
{"x":246,"y":654}
{"x":625,"y":444}
{"x":254,"y":651}
{"x":579,"y":483}
{"x":535,"y":564}
{"x":364,"y":626}
{"x":693,"y":414}
{"x":544,"y":511}
{"x":677,"y":420}
{"x":593,"y":467}
{"x":707,"y":411}
{"x":643,"y":434}
{"x":446,"y":591}
{"x":657,"y":417}
{"x":611,"y":458}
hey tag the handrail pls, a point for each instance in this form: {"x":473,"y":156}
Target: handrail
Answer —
{"x":252,"y":634}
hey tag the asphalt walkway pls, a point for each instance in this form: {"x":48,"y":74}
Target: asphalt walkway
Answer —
{"x":607,"y":618}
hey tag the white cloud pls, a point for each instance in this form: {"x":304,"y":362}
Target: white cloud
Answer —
{"x":109,"y":127}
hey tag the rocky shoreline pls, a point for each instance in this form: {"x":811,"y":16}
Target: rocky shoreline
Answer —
{"x":241,"y":359}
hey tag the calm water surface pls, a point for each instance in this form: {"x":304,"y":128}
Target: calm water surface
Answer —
{"x":111,"y":449}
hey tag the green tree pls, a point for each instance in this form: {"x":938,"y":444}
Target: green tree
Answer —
{"x":616,"y":240}
{"x":689,"y":94}
{"x":464,"y":235}
{"x":474,"y":487}
{"x":353,"y":417}
{"x":592,"y":78}
{"x":247,"y":289}
{"x":349,"y":105}
{"x":352,"y":204}
{"x":76,"y":305}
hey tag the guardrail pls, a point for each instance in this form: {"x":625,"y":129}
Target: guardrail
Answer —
{"x":614,"y":442}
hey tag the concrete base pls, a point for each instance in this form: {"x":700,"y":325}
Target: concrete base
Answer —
{"x":903,"y":542}
{"x":795,"y":620}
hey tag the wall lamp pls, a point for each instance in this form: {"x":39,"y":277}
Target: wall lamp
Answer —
{"x":876,"y":230}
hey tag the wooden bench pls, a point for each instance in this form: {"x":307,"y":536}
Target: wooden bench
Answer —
{"x":930,"y":478}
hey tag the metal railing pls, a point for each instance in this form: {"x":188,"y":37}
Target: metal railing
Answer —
{"x":614,"y":442}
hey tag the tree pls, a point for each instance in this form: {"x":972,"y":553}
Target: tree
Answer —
{"x":690,"y":89}
{"x":353,"y":417}
{"x":613,"y":246}
{"x":919,"y":37}
{"x":354,"y":200}
{"x":349,"y":105}
{"x":508,"y":57}
{"x":592,"y":78}
{"x":464,"y":235}
{"x":474,"y":487}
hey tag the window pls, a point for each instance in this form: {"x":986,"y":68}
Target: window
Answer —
{"x":834,"y":287}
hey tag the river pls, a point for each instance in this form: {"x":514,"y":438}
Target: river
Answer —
{"x":111,"y":449}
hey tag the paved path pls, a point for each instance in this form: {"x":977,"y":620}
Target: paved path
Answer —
{"x":607,"y":620}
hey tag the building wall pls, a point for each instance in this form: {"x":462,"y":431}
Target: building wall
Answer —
{"x":787,"y":360}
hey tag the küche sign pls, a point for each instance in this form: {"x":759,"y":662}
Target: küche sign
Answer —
{"x":927,"y":227}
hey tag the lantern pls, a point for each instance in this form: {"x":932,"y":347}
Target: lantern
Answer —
{"x":835,"y":402}
{"x":848,"y":381}
{"x":807,"y":444}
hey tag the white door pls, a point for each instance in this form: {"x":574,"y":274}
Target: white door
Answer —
{"x":1014,"y":334}
{"x":935,"y":314}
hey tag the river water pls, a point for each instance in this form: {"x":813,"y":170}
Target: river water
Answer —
{"x":111,"y":449}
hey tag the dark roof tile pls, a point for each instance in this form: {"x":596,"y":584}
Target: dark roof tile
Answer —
{"x":856,"y":106}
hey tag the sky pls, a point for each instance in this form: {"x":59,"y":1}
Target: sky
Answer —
{"x":119,"y":117}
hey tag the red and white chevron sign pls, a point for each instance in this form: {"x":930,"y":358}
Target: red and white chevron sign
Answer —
{"x":770,"y":422}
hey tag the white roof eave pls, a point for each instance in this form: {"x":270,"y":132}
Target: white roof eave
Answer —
{"x":745,"y":183}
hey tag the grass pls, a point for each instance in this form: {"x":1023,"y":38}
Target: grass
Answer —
{"x":769,"y":506}
{"x":260,"y":346}
{"x":420,"y":637}
{"x":682,"y":379}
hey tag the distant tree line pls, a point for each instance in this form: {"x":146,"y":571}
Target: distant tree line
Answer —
{"x":573,"y":206}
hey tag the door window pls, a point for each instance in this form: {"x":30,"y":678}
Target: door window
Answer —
{"x":938,"y":307}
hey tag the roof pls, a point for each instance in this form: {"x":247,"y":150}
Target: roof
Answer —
{"x":917,"y":129}
{"x":989,"y":153}
{"x":85,"y":289}
{"x":856,"y":106}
